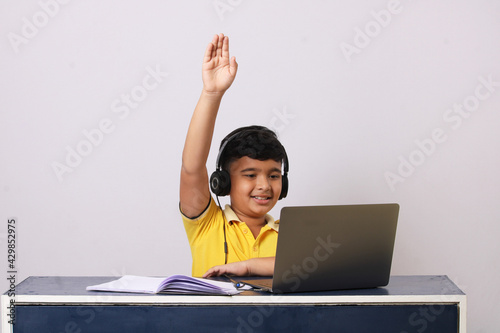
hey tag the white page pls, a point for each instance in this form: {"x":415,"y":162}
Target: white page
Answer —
{"x":152,"y":285}
{"x":131,"y":283}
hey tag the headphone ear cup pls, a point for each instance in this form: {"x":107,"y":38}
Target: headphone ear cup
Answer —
{"x":220,"y":183}
{"x":284,"y":187}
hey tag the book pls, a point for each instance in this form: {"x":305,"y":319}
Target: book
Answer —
{"x":174,"y":284}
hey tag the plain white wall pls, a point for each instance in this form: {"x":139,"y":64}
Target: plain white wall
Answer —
{"x":375,"y":101}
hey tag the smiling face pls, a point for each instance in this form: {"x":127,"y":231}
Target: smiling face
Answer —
{"x":255,"y":188}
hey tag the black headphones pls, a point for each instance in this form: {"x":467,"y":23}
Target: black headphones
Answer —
{"x":220,"y":181}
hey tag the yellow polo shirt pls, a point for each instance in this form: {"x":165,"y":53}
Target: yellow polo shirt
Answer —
{"x":206,"y":238}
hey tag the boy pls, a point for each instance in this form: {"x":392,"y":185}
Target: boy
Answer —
{"x":242,"y":239}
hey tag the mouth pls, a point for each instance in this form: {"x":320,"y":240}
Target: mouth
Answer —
{"x":261,"y":199}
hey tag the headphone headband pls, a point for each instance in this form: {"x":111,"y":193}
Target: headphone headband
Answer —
{"x":221,"y":150}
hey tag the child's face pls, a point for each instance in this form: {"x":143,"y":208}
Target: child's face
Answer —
{"x":255,"y":187}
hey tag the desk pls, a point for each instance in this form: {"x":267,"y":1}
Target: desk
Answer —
{"x":408,"y":304}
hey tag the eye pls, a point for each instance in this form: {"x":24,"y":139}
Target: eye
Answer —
{"x":275,"y":176}
{"x":250,"y":175}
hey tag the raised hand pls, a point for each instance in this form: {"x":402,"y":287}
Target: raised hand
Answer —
{"x":218,"y":71}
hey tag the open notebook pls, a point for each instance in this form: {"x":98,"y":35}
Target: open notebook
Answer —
{"x":174,"y":284}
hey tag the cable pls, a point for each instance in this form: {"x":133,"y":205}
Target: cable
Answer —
{"x":224,"y":229}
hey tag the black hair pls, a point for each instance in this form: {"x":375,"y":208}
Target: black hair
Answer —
{"x":257,"y":142}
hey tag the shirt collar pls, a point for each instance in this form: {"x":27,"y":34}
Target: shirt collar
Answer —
{"x":232,"y":217}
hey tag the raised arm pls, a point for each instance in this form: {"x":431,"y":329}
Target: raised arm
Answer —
{"x":218,"y":73}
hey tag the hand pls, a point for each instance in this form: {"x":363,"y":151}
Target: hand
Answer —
{"x":253,"y":267}
{"x":239,"y":268}
{"x":218,"y":71}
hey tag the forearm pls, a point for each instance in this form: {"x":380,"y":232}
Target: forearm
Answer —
{"x":261,"y":266}
{"x":194,"y":192}
{"x":200,"y":133}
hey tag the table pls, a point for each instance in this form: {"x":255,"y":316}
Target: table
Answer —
{"x":407,"y":304}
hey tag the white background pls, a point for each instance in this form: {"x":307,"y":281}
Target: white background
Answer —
{"x":347,"y":121}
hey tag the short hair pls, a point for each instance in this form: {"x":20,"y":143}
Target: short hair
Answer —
{"x":257,"y":142}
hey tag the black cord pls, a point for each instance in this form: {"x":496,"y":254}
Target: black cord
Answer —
{"x":224,"y":229}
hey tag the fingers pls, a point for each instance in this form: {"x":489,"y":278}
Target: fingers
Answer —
{"x":212,"y":272}
{"x":208,"y":52}
{"x":219,"y":47}
{"x":211,"y":50}
{"x":220,"y":43}
{"x":225,"y":47}
{"x":218,"y":270}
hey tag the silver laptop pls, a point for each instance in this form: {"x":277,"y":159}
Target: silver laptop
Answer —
{"x":332,"y":248}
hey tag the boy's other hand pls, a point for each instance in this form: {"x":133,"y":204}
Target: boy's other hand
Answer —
{"x":251,"y":267}
{"x":218,"y":70}
{"x":239,"y":268}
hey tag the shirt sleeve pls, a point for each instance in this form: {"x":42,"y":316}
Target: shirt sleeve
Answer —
{"x":207,"y":221}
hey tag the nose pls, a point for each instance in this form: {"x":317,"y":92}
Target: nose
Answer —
{"x":263,"y":183}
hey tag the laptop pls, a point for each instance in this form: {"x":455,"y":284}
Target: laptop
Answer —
{"x":338,"y":247}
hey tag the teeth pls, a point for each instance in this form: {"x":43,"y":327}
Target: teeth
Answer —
{"x":261,"y":198}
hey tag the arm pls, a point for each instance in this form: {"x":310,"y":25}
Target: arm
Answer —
{"x":250,"y":267}
{"x":218,"y":73}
